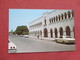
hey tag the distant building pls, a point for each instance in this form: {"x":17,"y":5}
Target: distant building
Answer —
{"x":53,"y":24}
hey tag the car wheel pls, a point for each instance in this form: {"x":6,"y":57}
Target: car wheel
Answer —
{"x":63,"y":42}
{"x":56,"y":41}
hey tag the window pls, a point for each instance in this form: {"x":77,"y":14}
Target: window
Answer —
{"x":52,"y":19}
{"x":69,"y":15}
{"x":45,"y":32}
{"x":61,"y":31}
{"x":72,"y":13}
{"x":51,"y":32}
{"x":68,"y":31}
{"x":65,"y":15}
{"x":59,"y":17}
{"x":56,"y":18}
{"x":55,"y":31}
{"x":45,"y":21}
{"x":62,"y":16}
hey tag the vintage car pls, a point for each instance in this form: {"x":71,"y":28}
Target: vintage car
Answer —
{"x":65,"y":39}
{"x":26,"y":36}
{"x":21,"y":35}
{"x":11,"y":47}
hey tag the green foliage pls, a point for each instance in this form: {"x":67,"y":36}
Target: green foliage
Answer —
{"x":14,"y":32}
{"x":22,"y":30}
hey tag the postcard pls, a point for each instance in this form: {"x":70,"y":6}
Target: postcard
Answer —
{"x":41,"y":30}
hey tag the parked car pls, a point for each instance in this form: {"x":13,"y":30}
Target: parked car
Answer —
{"x":15,"y":34}
{"x":21,"y":35}
{"x":65,"y":39}
{"x":11,"y":47}
{"x":26,"y":36}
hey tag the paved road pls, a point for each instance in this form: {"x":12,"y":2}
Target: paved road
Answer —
{"x":37,"y":45}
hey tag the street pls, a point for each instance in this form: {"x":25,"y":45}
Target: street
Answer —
{"x":37,"y":45}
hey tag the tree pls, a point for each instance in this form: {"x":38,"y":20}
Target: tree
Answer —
{"x":22,"y":30}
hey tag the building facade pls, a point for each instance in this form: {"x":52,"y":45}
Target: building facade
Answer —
{"x":53,"y":24}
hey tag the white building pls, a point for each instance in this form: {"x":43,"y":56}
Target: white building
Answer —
{"x":53,"y":24}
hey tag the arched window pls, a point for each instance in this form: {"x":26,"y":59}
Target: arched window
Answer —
{"x":59,"y":17}
{"x":51,"y":32}
{"x":68,"y":31}
{"x":45,"y":21}
{"x":62,"y":16}
{"x":56,"y":18}
{"x":52,"y":20}
{"x":72,"y":13}
{"x":55,"y":30}
{"x":61,"y":31}
{"x":65,"y":15}
{"x":69,"y":15}
{"x":45,"y":32}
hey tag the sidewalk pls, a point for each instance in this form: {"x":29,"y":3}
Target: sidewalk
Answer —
{"x":44,"y":38}
{"x":49,"y":39}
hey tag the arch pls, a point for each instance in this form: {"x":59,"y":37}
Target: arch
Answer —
{"x":59,"y":17}
{"x":68,"y":31}
{"x":50,"y":20}
{"x":55,"y":30}
{"x":45,"y":32}
{"x":54,"y":19}
{"x":69,"y":15}
{"x":51,"y":32}
{"x":45,"y":21}
{"x":61,"y":31}
{"x":65,"y":14}
{"x":72,"y":13}
{"x":62,"y":16}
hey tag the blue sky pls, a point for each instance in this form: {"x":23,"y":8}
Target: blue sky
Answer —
{"x":19,"y":17}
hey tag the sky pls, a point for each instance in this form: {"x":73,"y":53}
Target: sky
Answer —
{"x":19,"y":17}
